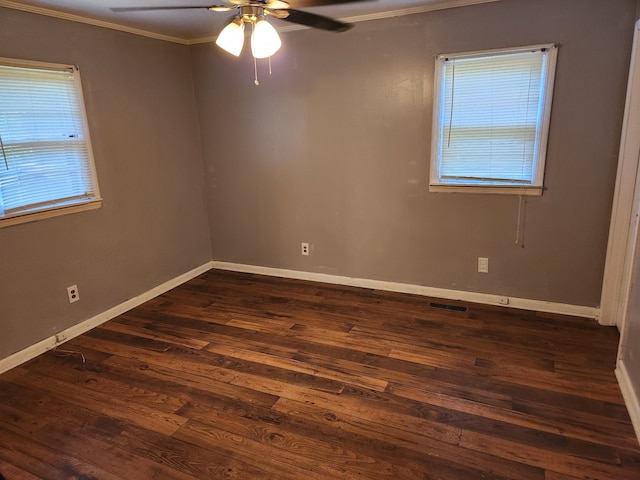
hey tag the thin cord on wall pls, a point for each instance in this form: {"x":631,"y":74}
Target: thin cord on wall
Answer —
{"x":4,"y":154}
{"x":453,"y":88}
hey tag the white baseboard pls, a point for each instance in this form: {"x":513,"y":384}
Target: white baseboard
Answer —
{"x":483,"y":298}
{"x":630,"y":397}
{"x":33,"y":351}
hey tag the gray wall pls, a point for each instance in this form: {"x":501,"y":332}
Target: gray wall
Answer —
{"x":153,"y":224}
{"x":333,"y":149}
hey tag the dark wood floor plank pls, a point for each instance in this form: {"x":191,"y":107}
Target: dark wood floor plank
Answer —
{"x":572,"y":425}
{"x":70,"y":435}
{"x":128,"y":409}
{"x":44,"y":461}
{"x":559,"y":476}
{"x":321,"y":335}
{"x":251,"y":377}
{"x":185,"y":384}
{"x":71,"y":372}
{"x":167,"y":452}
{"x":575,"y":423}
{"x":353,"y":405}
{"x":546,"y":458}
{"x":174,"y":338}
{"x":449,"y":461}
{"x":601,"y":391}
{"x":295,"y":451}
{"x":12,"y":472}
{"x":268,"y":466}
{"x":176,"y":363}
{"x":21,"y":420}
{"x":344,"y":375}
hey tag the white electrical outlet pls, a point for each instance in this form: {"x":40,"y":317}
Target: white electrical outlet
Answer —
{"x":483,"y":265}
{"x":61,"y":337}
{"x":305,"y":248}
{"x":73,"y":293}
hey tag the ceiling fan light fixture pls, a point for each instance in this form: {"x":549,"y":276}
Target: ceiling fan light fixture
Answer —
{"x":231,"y":38}
{"x":265,"y":41}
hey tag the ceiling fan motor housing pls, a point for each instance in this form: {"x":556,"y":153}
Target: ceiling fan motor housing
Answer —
{"x":251,"y":13}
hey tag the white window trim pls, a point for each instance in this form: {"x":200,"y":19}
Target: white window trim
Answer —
{"x":56,"y":210}
{"x":537,"y":187}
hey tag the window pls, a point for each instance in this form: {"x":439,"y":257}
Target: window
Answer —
{"x":491,"y":118}
{"x":46,"y":164}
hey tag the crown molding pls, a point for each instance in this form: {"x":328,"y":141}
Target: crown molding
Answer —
{"x":429,"y":7}
{"x":401,"y":12}
{"x":89,"y":21}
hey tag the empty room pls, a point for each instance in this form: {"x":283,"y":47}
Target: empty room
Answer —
{"x":320,"y":239}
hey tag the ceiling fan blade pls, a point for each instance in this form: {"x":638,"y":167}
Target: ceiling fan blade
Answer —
{"x":215,"y":8}
{"x":311,"y":20}
{"x":318,"y":3}
{"x":275,"y":4}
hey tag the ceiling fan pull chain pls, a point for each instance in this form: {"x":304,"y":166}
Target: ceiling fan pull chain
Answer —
{"x":255,"y":70}
{"x":269,"y":65}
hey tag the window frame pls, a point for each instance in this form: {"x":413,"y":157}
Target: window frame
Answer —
{"x":68,"y":206}
{"x":536,"y":187}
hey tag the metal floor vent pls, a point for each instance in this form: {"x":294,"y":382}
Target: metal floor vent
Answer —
{"x":445,"y":306}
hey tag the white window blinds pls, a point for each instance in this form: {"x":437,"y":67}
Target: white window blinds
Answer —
{"x":45,"y":156}
{"x":491,"y":113}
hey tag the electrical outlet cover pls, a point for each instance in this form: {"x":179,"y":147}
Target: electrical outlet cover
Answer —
{"x":483,"y":265}
{"x":73,"y":293}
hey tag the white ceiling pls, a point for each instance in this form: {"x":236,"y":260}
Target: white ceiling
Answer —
{"x":192,"y":26}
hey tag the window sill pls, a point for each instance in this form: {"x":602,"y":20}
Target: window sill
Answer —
{"x":502,"y":190}
{"x":53,"y":212}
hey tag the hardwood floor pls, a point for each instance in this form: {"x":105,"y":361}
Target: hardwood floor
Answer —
{"x":249,"y":377}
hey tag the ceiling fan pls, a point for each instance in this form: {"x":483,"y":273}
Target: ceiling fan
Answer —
{"x":264,"y":38}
